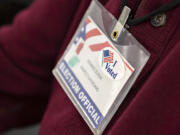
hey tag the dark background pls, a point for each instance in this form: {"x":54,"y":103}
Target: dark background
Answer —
{"x":8,"y":10}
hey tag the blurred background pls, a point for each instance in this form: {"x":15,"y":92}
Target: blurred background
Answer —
{"x":8,"y":10}
{"x":33,"y":130}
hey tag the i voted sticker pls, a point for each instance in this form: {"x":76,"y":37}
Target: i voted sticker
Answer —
{"x":112,"y":64}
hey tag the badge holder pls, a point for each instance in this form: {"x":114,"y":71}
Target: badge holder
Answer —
{"x":100,"y":65}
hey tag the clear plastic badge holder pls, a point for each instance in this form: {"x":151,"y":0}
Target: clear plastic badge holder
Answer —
{"x":97,"y":110}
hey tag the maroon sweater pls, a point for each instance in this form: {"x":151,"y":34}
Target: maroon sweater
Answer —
{"x":30,"y":47}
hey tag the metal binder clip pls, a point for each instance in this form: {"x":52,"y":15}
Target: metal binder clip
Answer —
{"x":120,"y":23}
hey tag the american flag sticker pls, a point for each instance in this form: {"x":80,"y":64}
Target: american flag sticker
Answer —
{"x":108,"y":56}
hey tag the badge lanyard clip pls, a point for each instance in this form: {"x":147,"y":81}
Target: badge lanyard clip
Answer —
{"x":120,"y":23}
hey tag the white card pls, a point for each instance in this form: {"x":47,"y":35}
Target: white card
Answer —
{"x":94,"y":72}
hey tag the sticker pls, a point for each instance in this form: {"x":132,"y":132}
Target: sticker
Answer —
{"x":94,"y":72}
{"x":112,"y":64}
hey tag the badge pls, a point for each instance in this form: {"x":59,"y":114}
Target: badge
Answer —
{"x":100,"y":65}
{"x":94,"y":72}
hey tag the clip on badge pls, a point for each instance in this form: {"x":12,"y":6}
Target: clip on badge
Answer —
{"x":96,"y":73}
{"x":120,"y":23}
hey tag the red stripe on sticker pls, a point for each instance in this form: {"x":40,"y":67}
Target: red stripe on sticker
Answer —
{"x":99,"y":47}
{"x":88,"y":21}
{"x":79,"y":48}
{"x":92,"y":33}
{"x":132,"y":70}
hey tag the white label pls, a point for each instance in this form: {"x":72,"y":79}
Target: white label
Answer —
{"x":94,"y":72}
